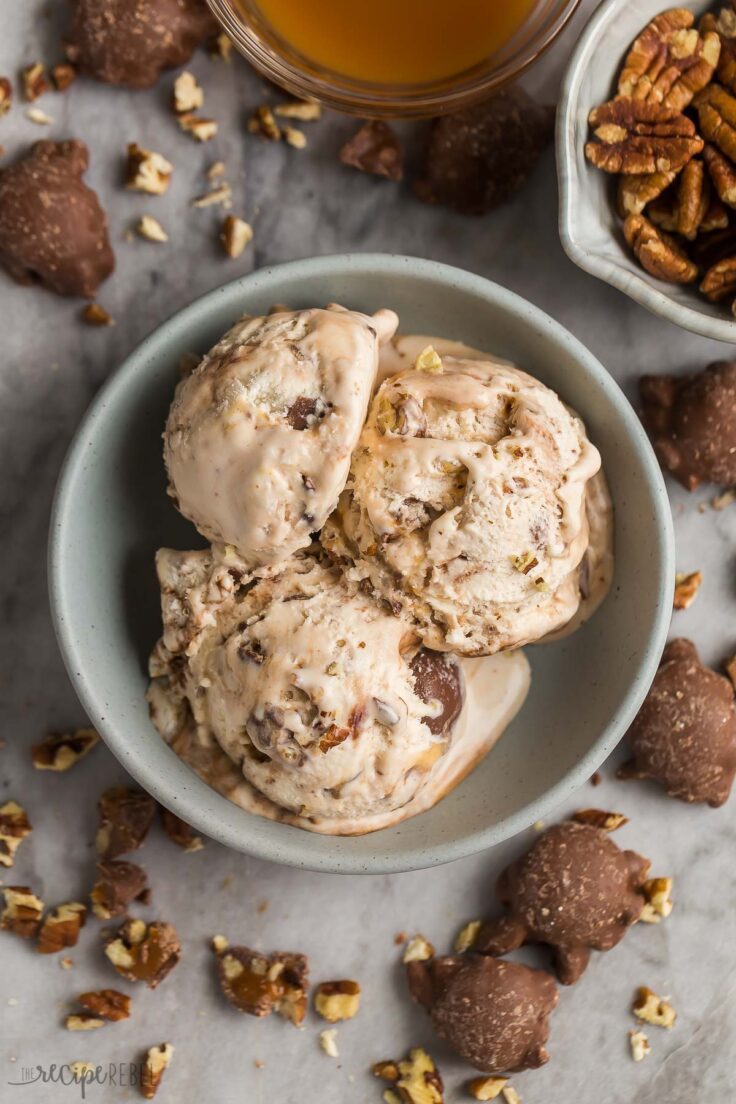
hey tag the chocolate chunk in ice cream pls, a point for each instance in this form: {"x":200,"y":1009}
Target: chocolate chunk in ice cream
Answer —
{"x":130,"y":42}
{"x":574,"y":890}
{"x":692,"y":422}
{"x":480,"y":157}
{"x":53,"y":230}
{"x":494,"y":1014}
{"x":437,"y":679}
{"x":684,"y":735}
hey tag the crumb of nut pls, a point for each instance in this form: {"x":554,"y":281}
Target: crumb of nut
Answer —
{"x":22,"y":912}
{"x":158,"y":1060}
{"x":125,"y":818}
{"x":40,"y":118}
{"x":263,"y":122}
{"x":221,"y":194}
{"x":187,"y":94}
{"x":721,"y":501}
{"x":151,"y":229}
{"x":387,"y":1070}
{"x":216,"y":170}
{"x":35,"y":82}
{"x":416,"y":1078}
{"x":258,"y":1063}
{"x":487,"y":1088}
{"x":63,"y":75}
{"x":510,"y":1095}
{"x":400,"y":938}
{"x":220,"y":943}
{"x":467,"y":935}
{"x":418,"y":949}
{"x":653,"y":1009}
{"x":640,"y":1047}
{"x":220,"y":46}
{"x":144,"y":952}
{"x":147,"y":171}
{"x":66,"y":963}
{"x":598,"y":818}
{"x":108,"y":1004}
{"x":236,"y":234}
{"x":14,"y":827}
{"x":201,"y":129}
{"x":260,"y":984}
{"x":6,"y":96}
{"x":82,"y":1021}
{"x":658,"y":895}
{"x":686,"y":589}
{"x":295,"y":137}
{"x":337,"y":1000}
{"x":180,"y":833}
{"x":429,"y":360}
{"x":306,"y":111}
{"x":61,"y":927}
{"x":61,"y":750}
{"x":95,"y":315}
{"x":328,"y":1042}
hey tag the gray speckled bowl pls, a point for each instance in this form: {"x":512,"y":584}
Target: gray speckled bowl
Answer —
{"x":590,"y":229}
{"x":111,"y":513}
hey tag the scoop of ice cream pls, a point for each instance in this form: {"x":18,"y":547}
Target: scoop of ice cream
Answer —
{"x":466,"y":503}
{"x":259,"y":436}
{"x":325,"y":700}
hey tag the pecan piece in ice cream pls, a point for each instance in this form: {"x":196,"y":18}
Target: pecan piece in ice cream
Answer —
{"x":61,"y":927}
{"x":61,"y":750}
{"x":574,"y":890}
{"x":144,"y":952}
{"x":260,"y":984}
{"x":633,"y":136}
{"x":118,"y":885}
{"x":670,"y":60}
{"x":657,"y":252}
{"x":374,"y":148}
{"x":684,"y":736}
{"x":125,"y":817}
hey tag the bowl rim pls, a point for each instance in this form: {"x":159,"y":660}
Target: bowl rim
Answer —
{"x":632,"y":283}
{"x":296,"y":850}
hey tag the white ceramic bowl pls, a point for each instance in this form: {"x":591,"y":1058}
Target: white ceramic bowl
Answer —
{"x":112,"y":512}
{"x":590,"y":229}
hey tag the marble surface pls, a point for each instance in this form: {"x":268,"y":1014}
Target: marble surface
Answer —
{"x":304,"y":202}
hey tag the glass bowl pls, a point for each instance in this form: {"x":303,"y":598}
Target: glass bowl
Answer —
{"x":285,"y":66}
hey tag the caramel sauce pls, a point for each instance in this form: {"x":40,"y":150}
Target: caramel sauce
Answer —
{"x":393,"y":41}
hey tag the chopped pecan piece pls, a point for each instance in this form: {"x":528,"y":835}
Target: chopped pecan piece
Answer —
{"x":722,"y":173}
{"x":95,"y":315}
{"x":652,"y":1009}
{"x":22,"y":912}
{"x":236,"y":233}
{"x":657,"y":252}
{"x":158,"y":1060}
{"x":418,"y":949}
{"x":717,"y":114}
{"x":187,"y":94}
{"x":83,"y":1021}
{"x":686,"y":589}
{"x":35,"y":83}
{"x":107,"y":1004}
{"x":260,"y":984}
{"x":63,"y":75}
{"x":263,"y":122}
{"x":304,"y":110}
{"x":61,"y":927}
{"x":144,"y":952}
{"x":693,"y":199}
{"x":467,"y":935}
{"x":118,"y":884}
{"x":658,"y":894}
{"x":633,"y":136}
{"x":294,"y":137}
{"x":151,"y":229}
{"x":487,"y":1088}
{"x":328,"y":1042}
{"x":374,"y":148}
{"x":125,"y":817}
{"x":719,"y":282}
{"x":179,"y":832}
{"x":6,"y":96}
{"x":147,"y":171}
{"x":669,"y":62}
{"x":337,"y":1000}
{"x":14,"y":827}
{"x":635,"y":191}
{"x":640,"y":1047}
{"x":199,"y":128}
{"x":61,"y":750}
{"x":416,"y":1079}
{"x":609,"y":822}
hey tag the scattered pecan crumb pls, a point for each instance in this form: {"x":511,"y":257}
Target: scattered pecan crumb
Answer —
{"x":337,"y":1000}
{"x":14,"y":827}
{"x":39,"y":117}
{"x":686,"y":589}
{"x":220,"y":943}
{"x":263,"y":122}
{"x":260,"y":984}
{"x":236,"y":234}
{"x":387,"y":1070}
{"x":658,"y":895}
{"x":82,"y":1021}
{"x":640,"y":1047}
{"x":66,"y":963}
{"x":216,"y":170}
{"x":374,"y":148}
{"x":95,"y":315}
{"x":510,"y":1095}
{"x":598,"y":818}
{"x":108,"y":1004}
{"x":187,"y":93}
{"x":467,"y":935}
{"x":151,"y":229}
{"x":220,"y":46}
{"x":429,"y":360}
{"x":180,"y":833}
{"x":125,"y":817}
{"x":34,"y":80}
{"x":652,"y":1009}
{"x":118,"y":884}
{"x":201,"y":129}
{"x":22,"y":912}
{"x":158,"y":1060}
{"x":221,"y":194}
{"x":416,"y":1078}
{"x":328,"y":1042}
{"x":61,"y":927}
{"x":6,"y":96}
{"x":144,"y":952}
{"x":147,"y":171}
{"x":418,"y":949}
{"x":304,"y":110}
{"x":294,"y":137}
{"x":63,"y":75}
{"x":61,"y":750}
{"x":400,"y":938}
{"x":487,"y":1088}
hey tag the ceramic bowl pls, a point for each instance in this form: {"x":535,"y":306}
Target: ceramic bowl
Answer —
{"x":111,"y":513}
{"x":590,"y":229}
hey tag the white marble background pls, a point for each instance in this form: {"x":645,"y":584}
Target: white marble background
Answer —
{"x":302,"y":203}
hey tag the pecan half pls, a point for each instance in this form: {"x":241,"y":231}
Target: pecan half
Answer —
{"x":144,"y":952}
{"x":693,"y":199}
{"x":722,"y":173}
{"x":118,"y":884}
{"x":633,"y":136}
{"x":107,"y":1004}
{"x":635,"y":191}
{"x":61,"y":927}
{"x":657,"y":252}
{"x":717,"y":113}
{"x":61,"y":750}
{"x":670,"y":61}
{"x":719,"y":282}
{"x":22,"y":912}
{"x":14,"y":827}
{"x":125,"y":817}
{"x":260,"y":984}
{"x":724,"y":25}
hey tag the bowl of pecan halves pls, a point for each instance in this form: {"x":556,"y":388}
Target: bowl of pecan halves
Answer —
{"x":647,"y":158}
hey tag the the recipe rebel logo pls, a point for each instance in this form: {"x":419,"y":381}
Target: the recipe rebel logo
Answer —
{"x":82,"y":1075}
